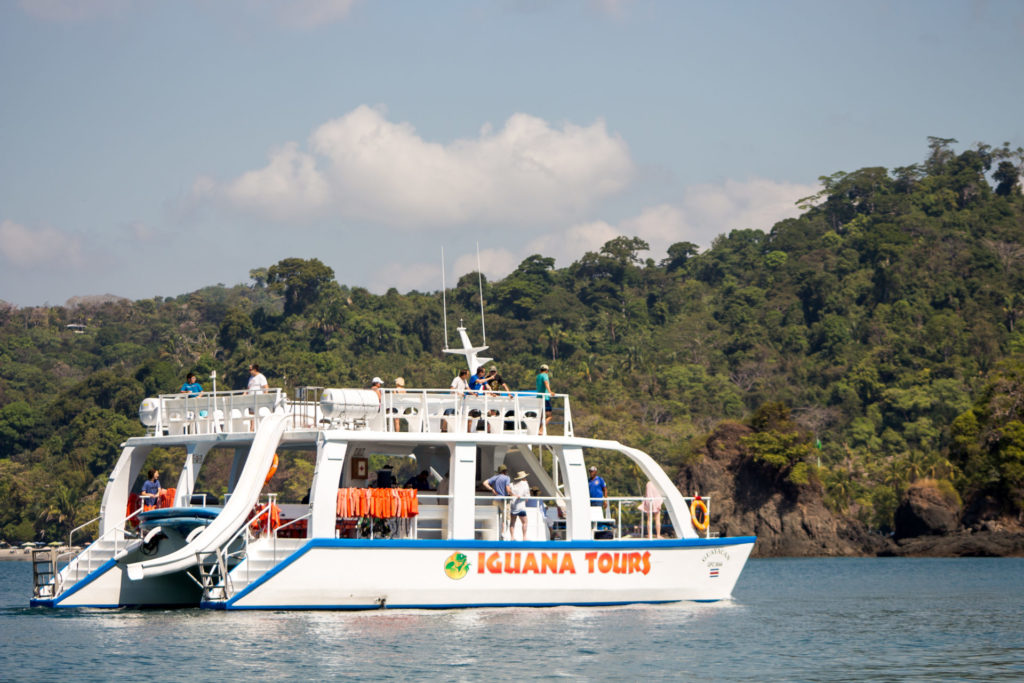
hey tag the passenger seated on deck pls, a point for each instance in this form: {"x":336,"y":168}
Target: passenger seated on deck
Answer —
{"x":385,"y":478}
{"x":420,"y":482}
{"x":151,"y":490}
{"x":535,"y":502}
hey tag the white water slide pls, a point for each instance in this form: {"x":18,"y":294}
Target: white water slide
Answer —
{"x":236,"y":511}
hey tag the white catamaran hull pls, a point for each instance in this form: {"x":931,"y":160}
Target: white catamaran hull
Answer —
{"x":353,"y":574}
{"x":109,"y":586}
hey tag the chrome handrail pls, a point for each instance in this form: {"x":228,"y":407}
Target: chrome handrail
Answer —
{"x":89,"y":551}
{"x":80,"y":527}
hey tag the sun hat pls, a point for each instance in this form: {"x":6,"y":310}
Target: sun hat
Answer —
{"x":544,"y":367}
{"x":521,"y":475}
{"x":400,"y":381}
{"x":376,"y":380}
{"x":502,"y":468}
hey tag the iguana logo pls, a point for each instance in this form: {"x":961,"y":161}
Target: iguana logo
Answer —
{"x":456,"y":566}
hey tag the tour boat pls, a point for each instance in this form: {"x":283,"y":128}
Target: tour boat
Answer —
{"x":356,"y":542}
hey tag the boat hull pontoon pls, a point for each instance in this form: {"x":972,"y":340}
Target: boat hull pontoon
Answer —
{"x":355,"y":542}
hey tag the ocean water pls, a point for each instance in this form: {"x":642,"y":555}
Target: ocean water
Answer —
{"x":798,"y":619}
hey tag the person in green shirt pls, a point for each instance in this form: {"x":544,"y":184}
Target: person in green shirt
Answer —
{"x":544,"y":389}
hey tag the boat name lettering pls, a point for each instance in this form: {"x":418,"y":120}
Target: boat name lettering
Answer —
{"x":562,"y":563}
{"x":716,"y":554}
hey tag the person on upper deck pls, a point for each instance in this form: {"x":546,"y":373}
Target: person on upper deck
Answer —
{"x":191,"y":386}
{"x":544,"y":390}
{"x":375,"y":385}
{"x":459,"y":385}
{"x":497,"y":384}
{"x":478,"y":382}
{"x":399,"y":389}
{"x":257,"y":382}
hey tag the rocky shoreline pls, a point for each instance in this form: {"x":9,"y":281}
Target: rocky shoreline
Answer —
{"x":750,"y":498}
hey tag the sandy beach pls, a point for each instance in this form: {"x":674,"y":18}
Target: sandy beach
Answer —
{"x":20,"y":555}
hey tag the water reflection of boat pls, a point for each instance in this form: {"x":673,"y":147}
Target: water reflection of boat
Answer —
{"x":354,"y":546}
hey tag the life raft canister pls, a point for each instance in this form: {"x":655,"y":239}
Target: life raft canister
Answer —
{"x":271,"y":471}
{"x":701,"y":523}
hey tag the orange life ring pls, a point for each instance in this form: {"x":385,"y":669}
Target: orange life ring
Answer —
{"x":702,"y":523}
{"x":270,"y":473}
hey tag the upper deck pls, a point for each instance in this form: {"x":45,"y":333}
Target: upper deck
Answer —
{"x":361,"y":410}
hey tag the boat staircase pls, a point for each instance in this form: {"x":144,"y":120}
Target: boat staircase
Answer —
{"x":224,"y":573}
{"x":49,"y":580}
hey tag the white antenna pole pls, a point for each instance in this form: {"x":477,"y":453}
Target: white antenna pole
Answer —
{"x":480,"y":282}
{"x":444,"y":301}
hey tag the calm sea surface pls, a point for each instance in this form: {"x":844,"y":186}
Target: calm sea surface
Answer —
{"x":815,"y":620}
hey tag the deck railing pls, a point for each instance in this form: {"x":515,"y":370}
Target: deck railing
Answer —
{"x":210,"y":412}
{"x":412,"y":410}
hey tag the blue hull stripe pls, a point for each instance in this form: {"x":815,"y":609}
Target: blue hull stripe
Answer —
{"x":224,"y":606}
{"x":89,"y":578}
{"x":349,"y":543}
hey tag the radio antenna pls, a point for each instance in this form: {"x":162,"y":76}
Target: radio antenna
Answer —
{"x":480,"y":283}
{"x":444,"y":301}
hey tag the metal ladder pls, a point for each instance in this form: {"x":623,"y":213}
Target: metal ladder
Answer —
{"x":214,"y":578}
{"x":44,"y":573}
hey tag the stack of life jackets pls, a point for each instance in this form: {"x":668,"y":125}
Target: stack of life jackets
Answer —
{"x":134,"y":503}
{"x":259,"y":517}
{"x":384,"y":503}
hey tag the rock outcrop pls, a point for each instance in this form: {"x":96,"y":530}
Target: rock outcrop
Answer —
{"x":926,"y":511}
{"x":750,"y":498}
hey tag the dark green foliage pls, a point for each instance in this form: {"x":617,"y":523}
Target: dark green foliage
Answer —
{"x":884,"y":322}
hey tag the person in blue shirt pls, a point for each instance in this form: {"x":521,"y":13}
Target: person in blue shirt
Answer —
{"x":598,"y":489}
{"x":498,"y":485}
{"x":478,"y":382}
{"x":191,"y":386}
{"x":151,"y":490}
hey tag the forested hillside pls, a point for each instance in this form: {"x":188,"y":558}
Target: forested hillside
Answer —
{"x":874,"y":341}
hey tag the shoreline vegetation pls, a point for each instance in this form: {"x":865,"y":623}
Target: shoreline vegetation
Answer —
{"x":847,"y":382}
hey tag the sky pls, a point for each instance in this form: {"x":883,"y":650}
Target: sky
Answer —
{"x":154,"y":148}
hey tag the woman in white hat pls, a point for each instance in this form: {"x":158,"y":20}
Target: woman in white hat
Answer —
{"x":520,"y":491}
{"x":399,"y":389}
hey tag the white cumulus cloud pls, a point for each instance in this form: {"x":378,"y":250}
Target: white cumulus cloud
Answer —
{"x":713,"y":209}
{"x":569,"y":245}
{"x":22,"y":247}
{"x":289,"y":187}
{"x":703,"y":213}
{"x":363,"y":166}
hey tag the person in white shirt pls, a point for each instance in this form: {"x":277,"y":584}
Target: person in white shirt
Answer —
{"x":520,"y":491}
{"x":257,"y":382}
{"x":459,"y":385}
